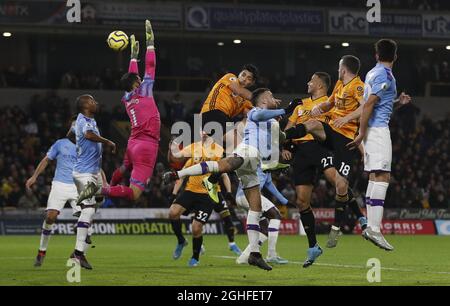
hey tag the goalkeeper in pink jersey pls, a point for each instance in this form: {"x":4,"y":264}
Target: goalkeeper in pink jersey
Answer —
{"x":143,"y":143}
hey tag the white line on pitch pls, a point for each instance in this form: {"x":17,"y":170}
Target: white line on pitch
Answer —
{"x":352,"y":266}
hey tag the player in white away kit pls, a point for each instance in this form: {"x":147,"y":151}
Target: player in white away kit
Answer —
{"x":245,"y":161}
{"x":87,"y":168}
{"x":63,"y":188}
{"x":379,"y":97}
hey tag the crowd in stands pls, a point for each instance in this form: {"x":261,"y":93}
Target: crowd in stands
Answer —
{"x":426,"y":67}
{"x":420,"y":174}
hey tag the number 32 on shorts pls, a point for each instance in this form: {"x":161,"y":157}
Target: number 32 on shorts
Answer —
{"x":202,"y":216}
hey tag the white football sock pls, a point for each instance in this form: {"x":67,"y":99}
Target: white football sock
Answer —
{"x":82,"y":228}
{"x":253,"y":229}
{"x":262,"y":238}
{"x":199,"y":169}
{"x":45,"y":236}
{"x":274,"y":226}
{"x":368,"y":206}
{"x":377,"y":204}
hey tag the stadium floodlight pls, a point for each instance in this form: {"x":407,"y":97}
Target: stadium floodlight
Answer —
{"x":430,"y":49}
{"x":327,"y":47}
{"x":220,"y":43}
{"x":7,"y":34}
{"x":237,"y":41}
{"x":345,"y":44}
{"x":448,"y":47}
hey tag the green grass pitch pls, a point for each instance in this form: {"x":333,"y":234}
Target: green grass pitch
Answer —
{"x":147,"y":260}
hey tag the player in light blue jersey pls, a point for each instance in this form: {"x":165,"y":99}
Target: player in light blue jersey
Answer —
{"x":63,"y":189}
{"x":245,"y":161}
{"x":87,"y":169}
{"x":268,"y":230}
{"x":379,"y":97}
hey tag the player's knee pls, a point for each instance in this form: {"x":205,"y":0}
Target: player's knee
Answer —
{"x":311,"y":125}
{"x":173,"y":214}
{"x":197,"y":228}
{"x":275,"y":214}
{"x":51,"y":217}
{"x":230,"y":164}
{"x":303,"y":203}
{"x":341,"y":185}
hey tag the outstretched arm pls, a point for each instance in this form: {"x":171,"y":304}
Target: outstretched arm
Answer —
{"x":265,"y":114}
{"x":133,"y":67}
{"x":150,"y":56}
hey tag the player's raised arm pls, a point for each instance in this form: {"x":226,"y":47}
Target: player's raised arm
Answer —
{"x":134,"y":54}
{"x":150,"y":56}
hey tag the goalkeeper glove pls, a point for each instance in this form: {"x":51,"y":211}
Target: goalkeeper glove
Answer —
{"x":150,"y":38}
{"x":134,"y":47}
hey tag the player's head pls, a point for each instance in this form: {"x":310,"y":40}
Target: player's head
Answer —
{"x":86,"y":104}
{"x":130,"y":81}
{"x":263,"y":97}
{"x":248,"y":76}
{"x":349,"y":65}
{"x":386,"y":50}
{"x":320,"y":81}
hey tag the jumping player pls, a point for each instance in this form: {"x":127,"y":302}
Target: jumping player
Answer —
{"x":228,"y":98}
{"x":142,"y":149}
{"x":245,"y":160}
{"x":311,"y":157}
{"x":87,"y":169}
{"x":379,"y":97}
{"x":345,"y":101}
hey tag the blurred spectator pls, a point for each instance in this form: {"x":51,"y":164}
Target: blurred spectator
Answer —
{"x":28,"y":201}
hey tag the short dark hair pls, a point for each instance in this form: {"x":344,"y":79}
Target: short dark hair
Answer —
{"x":81,"y":100}
{"x":386,"y":50}
{"x":127,"y":80}
{"x":252,"y":68}
{"x":325,"y":78}
{"x":257,"y":93}
{"x":352,"y":63}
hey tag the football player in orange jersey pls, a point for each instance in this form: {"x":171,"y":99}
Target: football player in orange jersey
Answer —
{"x":228,"y":98}
{"x":310,"y":156}
{"x":194,"y":198}
{"x":344,"y":105}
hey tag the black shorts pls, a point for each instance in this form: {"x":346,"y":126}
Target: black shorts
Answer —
{"x":198,"y":203}
{"x":216,"y":115}
{"x":310,"y":157}
{"x":343,"y":156}
{"x":221,"y":206}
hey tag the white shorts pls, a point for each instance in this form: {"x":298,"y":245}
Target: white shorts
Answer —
{"x":265,"y":203}
{"x":247,"y":172}
{"x":377,"y":149}
{"x":81,"y":180}
{"x":60,"y":194}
